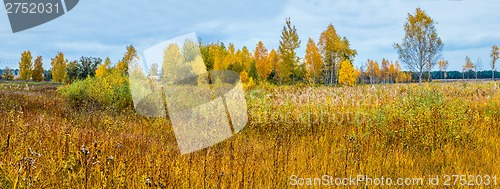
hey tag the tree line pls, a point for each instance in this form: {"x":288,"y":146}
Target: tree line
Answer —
{"x":327,"y":61}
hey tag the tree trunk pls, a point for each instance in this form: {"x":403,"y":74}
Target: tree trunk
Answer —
{"x":331,"y":74}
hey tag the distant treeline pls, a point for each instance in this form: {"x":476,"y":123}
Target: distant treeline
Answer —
{"x":484,"y":74}
{"x":47,"y":74}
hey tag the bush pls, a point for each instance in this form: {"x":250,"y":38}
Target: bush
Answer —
{"x":110,"y":91}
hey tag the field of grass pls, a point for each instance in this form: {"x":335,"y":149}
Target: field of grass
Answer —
{"x":399,"y":130}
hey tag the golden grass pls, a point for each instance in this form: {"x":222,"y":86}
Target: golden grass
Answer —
{"x":393,"y":131}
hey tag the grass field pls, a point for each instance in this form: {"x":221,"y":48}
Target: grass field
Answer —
{"x":399,"y":130}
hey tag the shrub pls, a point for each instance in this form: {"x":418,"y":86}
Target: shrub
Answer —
{"x":110,"y":91}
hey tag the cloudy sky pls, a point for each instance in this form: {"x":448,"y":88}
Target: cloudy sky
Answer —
{"x":103,"y":28}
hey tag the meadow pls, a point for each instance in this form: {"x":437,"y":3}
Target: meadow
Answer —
{"x":397,"y":130}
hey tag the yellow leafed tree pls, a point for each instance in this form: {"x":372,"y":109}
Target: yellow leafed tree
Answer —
{"x":392,"y":72}
{"x":373,"y":70}
{"x":199,"y":69}
{"x":102,"y":69}
{"x":25,"y":66}
{"x":347,"y":73}
{"x":129,"y":56}
{"x":174,"y":66}
{"x":263,"y":65}
{"x":421,"y":46}
{"x":244,"y":57}
{"x":219,"y":54}
{"x":313,"y":62}
{"x":384,"y":72}
{"x":273,"y":59}
{"x":37,"y":74}
{"x":400,"y":76}
{"x":229,"y":59}
{"x":59,"y":67}
{"x":244,"y":76}
{"x":495,"y":54}
{"x":334,"y":49}
{"x":443,"y":65}
{"x":468,"y":66}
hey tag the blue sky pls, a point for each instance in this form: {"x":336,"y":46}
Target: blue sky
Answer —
{"x":103,"y":28}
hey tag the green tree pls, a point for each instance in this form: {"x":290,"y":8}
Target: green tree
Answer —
{"x":25,"y":66}
{"x":47,"y":75}
{"x":253,"y":72}
{"x":299,"y":73}
{"x":7,"y":74}
{"x":37,"y":74}
{"x":207,"y":57}
{"x":288,"y":44}
{"x":72,"y":72}
{"x":59,"y":67}
{"x":421,"y":46}
{"x":87,"y":66}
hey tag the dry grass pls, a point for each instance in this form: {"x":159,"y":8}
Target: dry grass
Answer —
{"x":383,"y":130}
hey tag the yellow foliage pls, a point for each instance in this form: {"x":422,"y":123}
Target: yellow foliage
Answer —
{"x":37,"y":74}
{"x":102,"y":69}
{"x":373,"y":70}
{"x":244,"y":57}
{"x":347,"y":73}
{"x":130,"y":55}
{"x":59,"y":67}
{"x":313,"y":62}
{"x":249,"y":84}
{"x":244,"y":76}
{"x":25,"y":66}
{"x":263,"y":65}
{"x":384,"y":72}
{"x":468,"y":65}
{"x":229,"y":59}
{"x":218,"y":54}
{"x":273,"y":59}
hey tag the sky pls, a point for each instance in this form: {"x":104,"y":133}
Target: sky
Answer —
{"x":103,"y":28}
